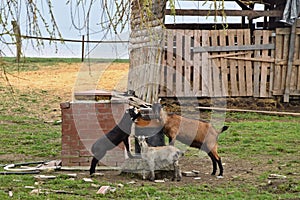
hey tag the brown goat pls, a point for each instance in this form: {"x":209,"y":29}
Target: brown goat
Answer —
{"x":195,"y":133}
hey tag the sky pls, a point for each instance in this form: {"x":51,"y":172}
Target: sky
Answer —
{"x":63,"y":15}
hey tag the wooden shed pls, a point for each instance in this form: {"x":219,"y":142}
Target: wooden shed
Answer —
{"x":244,"y":59}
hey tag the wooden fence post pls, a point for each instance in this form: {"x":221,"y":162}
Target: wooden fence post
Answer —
{"x":286,"y":95}
{"x":82,"y":49}
{"x":17,"y":33}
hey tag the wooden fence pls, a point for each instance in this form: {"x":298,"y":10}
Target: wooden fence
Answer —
{"x":229,"y":63}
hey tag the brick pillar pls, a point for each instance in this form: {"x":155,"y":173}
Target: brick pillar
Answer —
{"x":83,"y":123}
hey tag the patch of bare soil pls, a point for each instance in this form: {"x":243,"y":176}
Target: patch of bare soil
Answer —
{"x":234,"y":171}
{"x":60,"y":79}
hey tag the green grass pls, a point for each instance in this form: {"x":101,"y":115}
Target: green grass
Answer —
{"x":268,"y":142}
{"x":34,"y":64}
{"x":82,"y":190}
{"x":264,"y":138}
{"x":27,"y":137}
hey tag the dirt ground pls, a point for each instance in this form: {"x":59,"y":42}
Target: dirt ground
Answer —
{"x":59,"y":81}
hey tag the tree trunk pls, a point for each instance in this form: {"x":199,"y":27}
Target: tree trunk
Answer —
{"x":17,"y":33}
{"x":146,"y":48}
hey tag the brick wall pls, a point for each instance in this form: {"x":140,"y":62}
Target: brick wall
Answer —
{"x":82,"y":124}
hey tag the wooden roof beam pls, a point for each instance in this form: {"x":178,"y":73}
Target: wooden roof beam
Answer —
{"x":251,"y":14}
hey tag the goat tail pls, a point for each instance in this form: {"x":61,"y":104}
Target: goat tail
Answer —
{"x":224,"y":128}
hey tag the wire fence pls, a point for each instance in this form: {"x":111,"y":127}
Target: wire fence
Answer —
{"x":83,"y":41}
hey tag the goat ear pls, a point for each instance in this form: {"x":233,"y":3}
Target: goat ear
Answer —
{"x":136,"y":111}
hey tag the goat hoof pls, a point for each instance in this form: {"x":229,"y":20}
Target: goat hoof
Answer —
{"x":152,"y":179}
{"x":176,"y":179}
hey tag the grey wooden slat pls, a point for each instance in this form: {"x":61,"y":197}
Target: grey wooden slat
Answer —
{"x":233,"y":48}
{"x":224,"y":64}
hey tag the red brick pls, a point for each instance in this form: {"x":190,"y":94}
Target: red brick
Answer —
{"x":84,"y":164}
{"x":65,"y":105}
{"x":83,"y":153}
{"x":79,"y":160}
{"x":83,"y":124}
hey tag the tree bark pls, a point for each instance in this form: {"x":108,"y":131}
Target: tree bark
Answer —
{"x":17,"y":33}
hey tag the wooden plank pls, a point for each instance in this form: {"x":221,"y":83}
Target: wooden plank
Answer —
{"x":224,"y":64}
{"x":179,"y":63}
{"x":297,"y":58}
{"x":197,"y":65}
{"x":272,"y":66}
{"x":245,"y":110}
{"x":187,"y":63}
{"x":215,"y":65}
{"x":170,"y":63}
{"x":142,"y":53}
{"x":241,"y":65}
{"x":249,"y":74}
{"x":285,"y":55}
{"x":264,"y":67}
{"x":223,"y":55}
{"x":298,"y":79}
{"x":234,"y":48}
{"x":296,"y":63}
{"x":282,"y":31}
{"x":293,"y":82}
{"x":206,"y":75}
{"x":291,"y":52}
{"x":248,"y":13}
{"x":257,"y":65}
{"x":233,"y":65}
{"x":163,"y":77}
{"x":277,"y":68}
{"x":268,"y":60}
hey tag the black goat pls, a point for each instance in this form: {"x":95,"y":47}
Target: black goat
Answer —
{"x":120,"y":133}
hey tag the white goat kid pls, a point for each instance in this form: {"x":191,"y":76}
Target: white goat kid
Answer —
{"x":161,"y":156}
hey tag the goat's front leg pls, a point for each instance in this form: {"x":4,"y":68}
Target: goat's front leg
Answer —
{"x":126,"y":143}
{"x":151,"y":168}
{"x":177,"y":171}
{"x":172,"y":141}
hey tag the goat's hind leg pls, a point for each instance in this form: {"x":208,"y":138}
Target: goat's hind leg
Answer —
{"x":220,"y":167}
{"x":214,"y":162}
{"x":93,"y":165}
{"x":95,"y":161}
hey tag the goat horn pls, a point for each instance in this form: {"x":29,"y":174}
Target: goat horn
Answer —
{"x":137,"y":136}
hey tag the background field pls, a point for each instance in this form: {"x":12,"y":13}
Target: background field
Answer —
{"x":254,"y":147}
